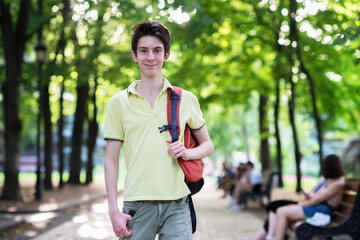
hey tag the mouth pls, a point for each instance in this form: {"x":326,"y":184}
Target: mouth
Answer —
{"x":150,"y":65}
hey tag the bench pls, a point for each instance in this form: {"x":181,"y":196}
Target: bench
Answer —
{"x":260,"y":194}
{"x":344,"y":220}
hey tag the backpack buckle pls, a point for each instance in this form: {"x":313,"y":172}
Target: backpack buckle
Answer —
{"x":164,"y":128}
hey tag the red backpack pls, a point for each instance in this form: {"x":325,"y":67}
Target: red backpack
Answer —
{"x":193,"y":169}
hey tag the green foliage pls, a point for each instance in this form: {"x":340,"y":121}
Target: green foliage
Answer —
{"x":226,"y":53}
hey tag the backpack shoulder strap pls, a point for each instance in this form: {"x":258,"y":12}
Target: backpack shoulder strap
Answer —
{"x":173,"y":107}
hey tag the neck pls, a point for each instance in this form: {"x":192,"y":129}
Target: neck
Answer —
{"x":153,"y":85}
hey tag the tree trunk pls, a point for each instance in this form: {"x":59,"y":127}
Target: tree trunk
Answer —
{"x":294,"y":131}
{"x":278,"y":76}
{"x":93,"y":130}
{"x":293,"y":33}
{"x":82,"y":91}
{"x":264,"y":134}
{"x":76,"y":141}
{"x":13,"y":125}
{"x":313,"y":101}
{"x":277,"y":133}
{"x":304,"y":69}
{"x":61,"y":48}
{"x":14,"y":39}
{"x":246,"y":140}
{"x":48,"y":138}
{"x":60,"y":136}
{"x":93,"y":125}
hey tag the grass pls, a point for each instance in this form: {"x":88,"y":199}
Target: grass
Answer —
{"x":307,"y":182}
{"x":29,"y":178}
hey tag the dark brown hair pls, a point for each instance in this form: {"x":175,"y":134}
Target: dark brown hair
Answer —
{"x":332,"y":167}
{"x":155,"y":29}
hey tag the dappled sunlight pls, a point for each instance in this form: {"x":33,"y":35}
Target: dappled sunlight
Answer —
{"x":301,"y":56}
{"x":99,"y":207}
{"x":48,"y":207}
{"x":40,"y":217}
{"x":334,"y":76}
{"x":12,"y":209}
{"x":95,"y":225}
{"x":17,"y":218}
{"x":89,"y":231}
{"x":306,"y":8}
{"x":80,"y":219}
{"x":179,"y":16}
{"x":101,"y":224}
{"x":30,"y":233}
{"x":85,"y":197}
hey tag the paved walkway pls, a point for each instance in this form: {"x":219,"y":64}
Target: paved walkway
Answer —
{"x":215,"y":222}
{"x":73,"y":214}
{"x":71,"y":196}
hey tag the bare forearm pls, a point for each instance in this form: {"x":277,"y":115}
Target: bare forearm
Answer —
{"x":205,"y":149}
{"x":111,"y":166}
{"x":111,"y":177}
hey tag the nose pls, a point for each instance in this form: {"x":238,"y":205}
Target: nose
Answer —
{"x":151,"y":56}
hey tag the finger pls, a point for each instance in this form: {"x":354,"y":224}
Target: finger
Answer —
{"x":174,"y":151}
{"x":127,"y":232}
{"x":179,"y":155}
{"x":178,"y":151}
{"x":172,"y":147}
{"x":174,"y":143}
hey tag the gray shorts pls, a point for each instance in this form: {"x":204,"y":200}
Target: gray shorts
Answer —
{"x":169,"y":219}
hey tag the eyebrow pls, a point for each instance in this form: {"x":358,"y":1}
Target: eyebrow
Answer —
{"x":158,"y":47}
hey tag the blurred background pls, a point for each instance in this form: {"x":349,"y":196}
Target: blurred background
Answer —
{"x":278,"y":81}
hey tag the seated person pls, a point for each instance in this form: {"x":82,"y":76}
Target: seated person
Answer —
{"x":225,"y":181}
{"x":323,"y":198}
{"x":251,"y":181}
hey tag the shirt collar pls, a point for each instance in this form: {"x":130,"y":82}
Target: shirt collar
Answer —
{"x":132,"y":86}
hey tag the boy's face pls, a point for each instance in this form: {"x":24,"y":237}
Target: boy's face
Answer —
{"x":150,"y":56}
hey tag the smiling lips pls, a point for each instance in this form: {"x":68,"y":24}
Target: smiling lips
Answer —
{"x":150,"y":65}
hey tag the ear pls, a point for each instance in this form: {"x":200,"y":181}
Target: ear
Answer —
{"x":167,"y":55}
{"x":133,"y":54}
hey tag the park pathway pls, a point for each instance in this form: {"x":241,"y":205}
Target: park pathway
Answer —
{"x":215,"y":222}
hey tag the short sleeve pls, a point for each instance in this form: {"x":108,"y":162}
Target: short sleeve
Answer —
{"x":196,"y":119}
{"x":113,"y":123}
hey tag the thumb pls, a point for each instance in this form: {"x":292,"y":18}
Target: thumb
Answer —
{"x":129,"y":232}
{"x":168,"y":141}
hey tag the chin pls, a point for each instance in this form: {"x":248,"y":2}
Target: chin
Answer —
{"x":151,"y":74}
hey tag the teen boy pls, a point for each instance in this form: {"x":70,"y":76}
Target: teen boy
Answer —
{"x":155,"y":195}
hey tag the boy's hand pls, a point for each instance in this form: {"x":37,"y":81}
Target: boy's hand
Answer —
{"x":177,"y":150}
{"x":119,"y":222}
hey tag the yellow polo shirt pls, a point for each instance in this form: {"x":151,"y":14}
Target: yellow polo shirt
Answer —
{"x":152,"y":174}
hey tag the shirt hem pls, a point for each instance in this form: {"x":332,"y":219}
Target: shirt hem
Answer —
{"x":152,"y":198}
{"x":114,"y":139}
{"x":194,"y":129}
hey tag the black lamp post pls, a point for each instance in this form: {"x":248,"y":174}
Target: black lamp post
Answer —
{"x":40,"y":57}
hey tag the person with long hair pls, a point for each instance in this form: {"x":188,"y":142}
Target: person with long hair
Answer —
{"x":323,"y":198}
